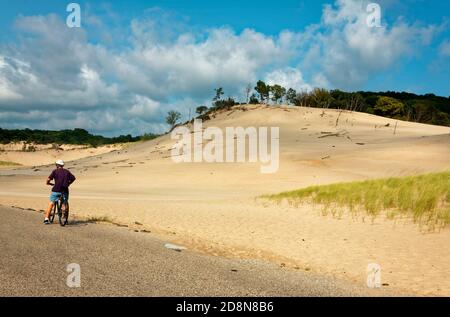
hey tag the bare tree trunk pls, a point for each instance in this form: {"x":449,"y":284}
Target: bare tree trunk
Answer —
{"x":337,"y":120}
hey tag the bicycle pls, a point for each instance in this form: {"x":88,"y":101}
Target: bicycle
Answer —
{"x":57,"y":209}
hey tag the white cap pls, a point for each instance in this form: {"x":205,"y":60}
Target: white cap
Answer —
{"x":59,"y":162}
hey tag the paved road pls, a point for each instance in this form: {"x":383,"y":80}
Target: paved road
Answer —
{"x":119,"y":262}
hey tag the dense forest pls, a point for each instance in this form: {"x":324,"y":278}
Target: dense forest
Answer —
{"x":76,"y":136}
{"x":429,"y":109}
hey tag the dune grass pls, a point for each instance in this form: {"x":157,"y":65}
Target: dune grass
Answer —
{"x":7,"y":163}
{"x":103,"y":219}
{"x":424,"y":198}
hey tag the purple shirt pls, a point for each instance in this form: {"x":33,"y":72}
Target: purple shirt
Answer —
{"x":63,"y":178}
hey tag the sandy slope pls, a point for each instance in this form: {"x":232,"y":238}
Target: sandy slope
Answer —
{"x":46,"y":154}
{"x":212,"y":207}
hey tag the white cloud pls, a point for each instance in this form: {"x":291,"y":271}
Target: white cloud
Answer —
{"x":58,"y":69}
{"x":7,"y":90}
{"x":346,"y":52}
{"x":289,"y":78}
{"x":143,"y":107}
{"x":7,"y":93}
{"x":187,"y":65}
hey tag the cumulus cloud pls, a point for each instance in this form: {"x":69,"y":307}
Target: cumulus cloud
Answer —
{"x":345,"y":51}
{"x":188,"y":65}
{"x":143,"y":107}
{"x":289,"y":77}
{"x":51,"y":66}
{"x":7,"y":91}
{"x":54,"y":67}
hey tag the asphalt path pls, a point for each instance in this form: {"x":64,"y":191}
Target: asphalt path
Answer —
{"x":116,"y":261}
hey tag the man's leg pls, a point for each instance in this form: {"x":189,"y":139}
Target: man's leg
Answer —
{"x":53,"y":198}
{"x":49,"y":210}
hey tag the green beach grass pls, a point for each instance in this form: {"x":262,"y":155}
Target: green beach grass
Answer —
{"x":6,"y":163}
{"x":424,"y":198}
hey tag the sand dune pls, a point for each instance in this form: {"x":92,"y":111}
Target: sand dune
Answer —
{"x":47,"y":153}
{"x":212,"y":207}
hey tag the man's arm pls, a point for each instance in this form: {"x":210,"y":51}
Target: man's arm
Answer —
{"x":50,"y":178}
{"x":71,"y":179}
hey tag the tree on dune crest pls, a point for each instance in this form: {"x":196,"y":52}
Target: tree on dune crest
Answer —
{"x":321,"y":98}
{"x":201,"y":110}
{"x":219,"y":93}
{"x":388,"y":106}
{"x":172,"y":118}
{"x":290,"y":96}
{"x":263,"y":91}
{"x":278,"y":93}
{"x":248,"y":90}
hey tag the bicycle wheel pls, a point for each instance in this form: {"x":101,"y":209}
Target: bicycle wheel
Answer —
{"x":62,"y":222}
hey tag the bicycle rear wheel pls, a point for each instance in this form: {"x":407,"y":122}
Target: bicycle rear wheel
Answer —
{"x":63,"y":222}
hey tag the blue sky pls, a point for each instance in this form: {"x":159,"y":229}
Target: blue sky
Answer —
{"x":132,"y":61}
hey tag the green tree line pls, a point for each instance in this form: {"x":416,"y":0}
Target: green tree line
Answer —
{"x":74,"y":137}
{"x":429,"y":108}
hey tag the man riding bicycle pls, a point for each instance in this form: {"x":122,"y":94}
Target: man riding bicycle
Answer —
{"x":63,"y":179}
